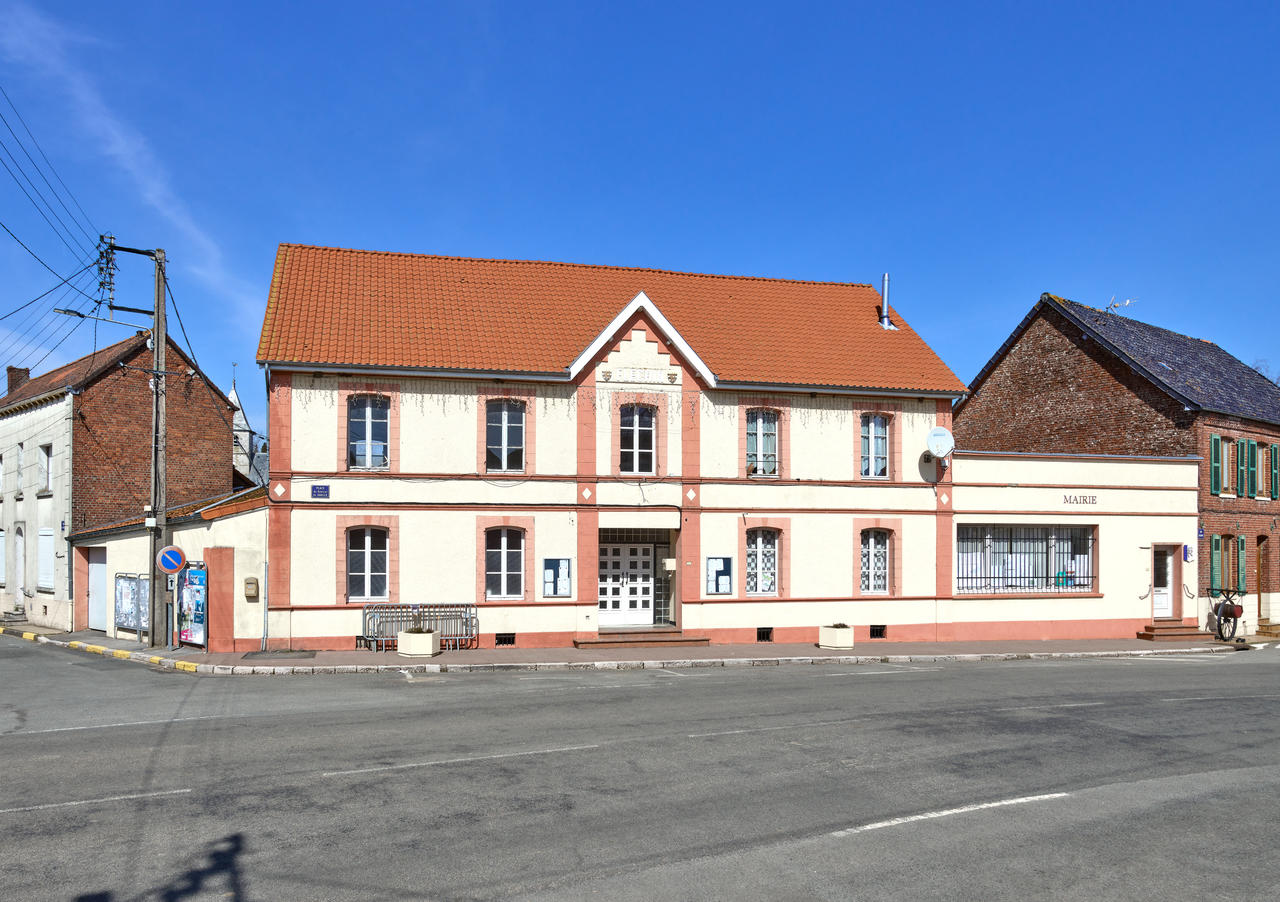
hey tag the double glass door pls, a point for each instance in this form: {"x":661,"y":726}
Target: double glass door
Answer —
{"x":626,"y":585}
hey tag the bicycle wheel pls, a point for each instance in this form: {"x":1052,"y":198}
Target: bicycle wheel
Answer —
{"x":1226,"y":628}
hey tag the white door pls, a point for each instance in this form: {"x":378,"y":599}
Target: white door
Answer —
{"x":626,"y":585}
{"x":20,"y":567}
{"x":97,"y":588}
{"x":1161,"y":597}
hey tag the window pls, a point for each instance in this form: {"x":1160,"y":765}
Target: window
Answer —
{"x":504,"y":436}
{"x":45,"y":475}
{"x":762,"y":443}
{"x":1024,"y":559}
{"x":636,"y":440}
{"x":367,"y":445}
{"x":875,"y":446}
{"x":44,"y":559}
{"x":762,"y":562}
{"x":875,"y":561}
{"x":1215,"y":464}
{"x":367,"y":564}
{"x":18,"y":471}
{"x":504,"y":563}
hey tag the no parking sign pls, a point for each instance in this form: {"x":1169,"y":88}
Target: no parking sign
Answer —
{"x":171,"y":559}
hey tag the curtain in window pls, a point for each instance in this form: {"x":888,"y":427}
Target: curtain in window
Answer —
{"x":875,"y":560}
{"x":367,"y":417}
{"x":504,"y":435}
{"x":762,"y":443}
{"x":762,"y":561}
{"x":875,"y":445}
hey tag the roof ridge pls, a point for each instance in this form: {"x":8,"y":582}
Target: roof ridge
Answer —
{"x":669,"y":272}
{"x":1130,"y":319}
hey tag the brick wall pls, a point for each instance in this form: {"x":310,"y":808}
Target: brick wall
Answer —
{"x":111,"y":443}
{"x":1057,"y":391}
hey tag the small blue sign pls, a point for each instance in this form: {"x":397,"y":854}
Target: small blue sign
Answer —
{"x":319,"y":491}
{"x":171,"y":559}
{"x":1201,"y":532}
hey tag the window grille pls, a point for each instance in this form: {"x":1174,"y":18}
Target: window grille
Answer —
{"x":875,"y":561}
{"x":367,"y":424}
{"x":504,"y":435}
{"x":504,"y":639}
{"x":762,"y":562}
{"x":995,"y":559}
{"x":762,"y":443}
{"x":879,"y":631}
{"x":636,"y":440}
{"x":764,"y":634}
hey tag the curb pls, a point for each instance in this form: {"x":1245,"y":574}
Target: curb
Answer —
{"x":502,"y":667}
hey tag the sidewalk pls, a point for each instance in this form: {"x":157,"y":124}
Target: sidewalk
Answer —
{"x":284,"y":663}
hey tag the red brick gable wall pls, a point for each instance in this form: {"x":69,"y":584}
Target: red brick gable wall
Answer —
{"x":111,"y":444}
{"x":1057,"y":391}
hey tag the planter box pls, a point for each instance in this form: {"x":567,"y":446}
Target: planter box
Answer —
{"x":418,"y":645}
{"x":835,"y":637}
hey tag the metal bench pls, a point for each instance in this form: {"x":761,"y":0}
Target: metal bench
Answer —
{"x":457,"y":624}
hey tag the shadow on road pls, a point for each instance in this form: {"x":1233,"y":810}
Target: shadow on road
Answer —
{"x":221,"y":866}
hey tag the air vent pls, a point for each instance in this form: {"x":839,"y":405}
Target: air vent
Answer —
{"x":501,"y":639}
{"x":764,"y":634}
{"x":879,"y":631}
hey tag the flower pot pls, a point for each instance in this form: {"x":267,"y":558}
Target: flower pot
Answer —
{"x":835,"y":637}
{"x":418,"y":645}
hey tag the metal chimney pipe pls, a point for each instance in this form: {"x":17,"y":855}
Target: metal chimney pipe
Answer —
{"x":884,"y":303}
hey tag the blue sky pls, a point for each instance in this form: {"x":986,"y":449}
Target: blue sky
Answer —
{"x":981,"y":154}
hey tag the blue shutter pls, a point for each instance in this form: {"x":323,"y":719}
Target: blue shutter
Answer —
{"x":1215,"y":464}
{"x":1215,"y":565}
{"x":1241,"y":545}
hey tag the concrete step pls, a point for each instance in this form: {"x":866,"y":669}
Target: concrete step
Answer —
{"x":641,"y":638}
{"x":1172,"y":630}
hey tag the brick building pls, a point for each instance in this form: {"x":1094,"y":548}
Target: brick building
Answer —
{"x":1072,"y":378}
{"x":75,"y":453}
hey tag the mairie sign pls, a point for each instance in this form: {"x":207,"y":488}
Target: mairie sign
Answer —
{"x":171,"y":559}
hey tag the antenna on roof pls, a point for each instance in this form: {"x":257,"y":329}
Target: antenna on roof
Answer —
{"x":1114,"y":305}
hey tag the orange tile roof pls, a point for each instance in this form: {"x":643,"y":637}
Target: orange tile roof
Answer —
{"x":75,"y":374}
{"x":330,"y":306}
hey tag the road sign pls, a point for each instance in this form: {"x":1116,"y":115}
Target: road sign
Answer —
{"x":171,"y":559}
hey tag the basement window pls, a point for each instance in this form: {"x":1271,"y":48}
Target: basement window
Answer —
{"x":879,"y":631}
{"x":501,"y":639}
{"x":764,"y":634}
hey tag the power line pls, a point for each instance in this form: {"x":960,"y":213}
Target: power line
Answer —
{"x":44,"y":157}
{"x":49,"y":292}
{"x":38,"y":260}
{"x":65,"y":232}
{"x":43,"y":177}
{"x":31,"y":335}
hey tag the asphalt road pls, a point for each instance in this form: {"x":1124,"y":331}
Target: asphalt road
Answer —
{"x":1129,"y":778}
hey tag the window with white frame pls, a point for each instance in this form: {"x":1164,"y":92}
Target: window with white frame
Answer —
{"x":762,"y":562}
{"x":367,"y":431}
{"x":762,"y":443}
{"x":875,"y":446}
{"x":45,"y":475}
{"x":875,"y":561}
{"x":504,"y":563}
{"x":367,"y":564}
{"x":18,"y":471}
{"x":636,"y":435}
{"x":1024,"y":559}
{"x":504,"y":436}
{"x":44,"y":559}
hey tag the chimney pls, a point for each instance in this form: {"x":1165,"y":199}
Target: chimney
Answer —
{"x":884,"y":303}
{"x":18,"y":375}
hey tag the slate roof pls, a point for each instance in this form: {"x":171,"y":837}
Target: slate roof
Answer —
{"x":330,"y":306}
{"x":1192,"y":370}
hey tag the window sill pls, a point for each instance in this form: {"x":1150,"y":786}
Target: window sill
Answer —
{"x":17,"y":496}
{"x":504,"y":472}
{"x":875,"y":478}
{"x":763,"y":476}
{"x":45,"y":590}
{"x":504,"y":598}
{"x":45,"y":493}
{"x":386,"y":469}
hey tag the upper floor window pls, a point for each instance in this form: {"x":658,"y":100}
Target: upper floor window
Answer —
{"x":875,"y":445}
{"x":45,"y":475}
{"x":504,"y":563}
{"x":504,"y":435}
{"x":762,"y":562}
{"x":18,"y":470}
{"x":762,"y":443}
{"x":367,"y":564}
{"x":367,"y":419}
{"x":875,"y":561}
{"x":636,"y":437}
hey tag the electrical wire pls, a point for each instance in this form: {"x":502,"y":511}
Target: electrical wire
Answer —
{"x":50,"y":291}
{"x":44,"y":178}
{"x":64,"y":233}
{"x":39,"y":260}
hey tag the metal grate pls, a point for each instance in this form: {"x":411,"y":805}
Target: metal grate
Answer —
{"x":1024,"y":559}
{"x":500,"y":639}
{"x":635,"y":536}
{"x":764,"y":634}
{"x":879,"y":631}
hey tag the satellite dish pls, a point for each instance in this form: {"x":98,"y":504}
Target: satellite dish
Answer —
{"x":941,"y":443}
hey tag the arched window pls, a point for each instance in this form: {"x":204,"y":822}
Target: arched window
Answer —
{"x":504,"y":563}
{"x":875,"y":446}
{"x":504,"y":435}
{"x":875,"y":561}
{"x":762,"y":443}
{"x":367,"y":445}
{"x":367,"y":564}
{"x":636,"y":437}
{"x":762,"y":562}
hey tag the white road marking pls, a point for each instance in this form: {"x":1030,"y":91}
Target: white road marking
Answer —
{"x":139,"y":795}
{"x":1215,"y":698}
{"x":109,"y":726}
{"x":931,"y":815}
{"x":1041,"y":707}
{"x":884,"y":672}
{"x":787,"y":726}
{"x":674,"y":672}
{"x":1194,"y":659}
{"x":371,"y":770}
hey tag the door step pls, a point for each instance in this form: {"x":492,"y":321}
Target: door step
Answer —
{"x":641,"y":638}
{"x":1172,"y":630}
